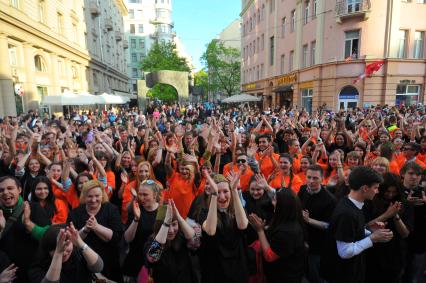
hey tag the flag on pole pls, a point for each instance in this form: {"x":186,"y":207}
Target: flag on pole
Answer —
{"x":369,"y":70}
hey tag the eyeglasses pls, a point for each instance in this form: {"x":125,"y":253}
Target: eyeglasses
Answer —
{"x":241,"y":161}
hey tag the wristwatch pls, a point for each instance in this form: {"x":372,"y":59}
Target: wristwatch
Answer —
{"x":166,"y":224}
{"x":213,"y":194}
{"x":84,"y":247}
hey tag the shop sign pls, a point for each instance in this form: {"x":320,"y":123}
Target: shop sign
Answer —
{"x":251,"y":86}
{"x":306,"y":85}
{"x":407,"y":81}
{"x":285,"y":80}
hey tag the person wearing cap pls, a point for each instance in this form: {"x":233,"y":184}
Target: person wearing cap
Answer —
{"x":99,"y":225}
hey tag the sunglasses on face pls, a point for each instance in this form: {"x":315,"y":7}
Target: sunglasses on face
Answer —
{"x":241,"y":161}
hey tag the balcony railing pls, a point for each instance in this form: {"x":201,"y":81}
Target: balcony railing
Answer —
{"x":352,"y":8}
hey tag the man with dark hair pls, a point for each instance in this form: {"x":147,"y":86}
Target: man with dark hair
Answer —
{"x":416,"y":199}
{"x":15,"y":241}
{"x":410,"y":151}
{"x":318,"y":205}
{"x":349,"y":230}
{"x":268,"y":160}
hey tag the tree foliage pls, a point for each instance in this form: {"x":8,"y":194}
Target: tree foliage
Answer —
{"x":163,"y":92}
{"x":201,"y":82}
{"x":223,"y":67}
{"x":163,"y":56}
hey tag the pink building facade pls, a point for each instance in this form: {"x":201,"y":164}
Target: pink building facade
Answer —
{"x":307,"y":53}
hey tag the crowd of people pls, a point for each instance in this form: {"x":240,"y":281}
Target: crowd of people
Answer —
{"x":189,"y":194}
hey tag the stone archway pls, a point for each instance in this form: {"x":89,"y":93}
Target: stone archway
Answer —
{"x":179,"y":80}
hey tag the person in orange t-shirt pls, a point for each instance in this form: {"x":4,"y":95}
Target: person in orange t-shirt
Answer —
{"x":182,"y":184}
{"x":245,"y":171}
{"x":410,"y":152}
{"x":285,"y":178}
{"x":268,"y":160}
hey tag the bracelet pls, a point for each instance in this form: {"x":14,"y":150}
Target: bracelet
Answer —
{"x":166,"y":224}
{"x":85,"y":231}
{"x":213,"y":194}
{"x":135,"y":220}
{"x":84,"y":247}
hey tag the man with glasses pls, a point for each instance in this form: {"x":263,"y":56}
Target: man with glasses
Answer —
{"x":416,"y":198}
{"x":410,"y":151}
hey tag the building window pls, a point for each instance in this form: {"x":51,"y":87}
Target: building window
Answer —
{"x":135,"y":87}
{"x":293,"y":21}
{"x":352,"y":44}
{"x":313,"y":47}
{"x":305,"y":56}
{"x":141,"y":44}
{"x":134,"y":73}
{"x":282,"y":64}
{"x":95,"y":80}
{"x":132,"y":28}
{"x":14,"y":3}
{"x":315,"y":8}
{"x":262,"y":71}
{"x":141,"y":56}
{"x":291,"y":61}
{"x":257,"y":73}
{"x":306,"y":13}
{"x":140,"y":28}
{"x":40,"y":64}
{"x":272,"y":51}
{"x":262,"y":15}
{"x":134,"y":58}
{"x":60,"y":24}
{"x":354,"y":6}
{"x":283,"y":24}
{"x":254,"y":47}
{"x":13,"y":58}
{"x":74,"y":33}
{"x":407,"y":94}
{"x":42,"y":92}
{"x":133,"y":43}
{"x":41,"y":11}
{"x":131,"y":14}
{"x":419,"y":44}
{"x":306,"y":94}
{"x":402,"y":44}
{"x":262,"y":42}
{"x":271,"y":6}
{"x":74,"y":72}
{"x":61,"y":68}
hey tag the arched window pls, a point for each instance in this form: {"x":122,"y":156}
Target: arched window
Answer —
{"x":40,"y":64}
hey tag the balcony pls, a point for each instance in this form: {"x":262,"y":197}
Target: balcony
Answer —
{"x":125,"y":44}
{"x":347,"y":9}
{"x":118,"y":35}
{"x":94,"y":8}
{"x":108,"y":24}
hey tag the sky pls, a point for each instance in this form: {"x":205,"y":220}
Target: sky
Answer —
{"x":197,"y":22}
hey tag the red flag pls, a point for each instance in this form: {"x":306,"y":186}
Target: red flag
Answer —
{"x":369,"y":70}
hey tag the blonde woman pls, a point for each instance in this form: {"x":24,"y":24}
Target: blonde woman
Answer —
{"x":380,"y":165}
{"x":99,"y":225}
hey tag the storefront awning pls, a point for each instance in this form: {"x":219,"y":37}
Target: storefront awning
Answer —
{"x":125,"y":94}
{"x":284,"y":88}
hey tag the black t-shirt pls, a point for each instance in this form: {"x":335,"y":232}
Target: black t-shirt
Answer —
{"x":348,"y":225}
{"x":135,"y":258}
{"x":417,"y":238}
{"x":320,"y":206}
{"x":287,"y":242}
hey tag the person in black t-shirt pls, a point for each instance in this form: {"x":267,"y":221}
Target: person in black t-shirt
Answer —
{"x":318,"y":205}
{"x":348,"y":226}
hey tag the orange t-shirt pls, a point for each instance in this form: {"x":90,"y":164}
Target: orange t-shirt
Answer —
{"x":296,"y":163}
{"x":265,"y":163}
{"x":181,"y":191}
{"x":302,"y":177}
{"x":61,"y":214}
{"x":279,"y":179}
{"x":70,"y":197}
{"x":244,"y":178}
{"x":110,"y":178}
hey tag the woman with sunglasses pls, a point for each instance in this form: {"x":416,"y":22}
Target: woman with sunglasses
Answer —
{"x":140,"y":224}
{"x":223,"y":257}
{"x":144,"y":172}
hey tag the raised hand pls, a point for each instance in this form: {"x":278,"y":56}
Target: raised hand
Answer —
{"x":74,"y":235}
{"x":61,"y":241}
{"x":136,"y":210}
{"x":91,"y":223}
{"x":2,"y":220}
{"x":256,"y":222}
{"x":9,"y":274}
{"x":169,"y":214}
{"x":234,"y":179}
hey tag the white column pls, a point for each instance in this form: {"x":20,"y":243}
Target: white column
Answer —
{"x":7,"y":95}
{"x":319,"y":47}
{"x":31,"y":97}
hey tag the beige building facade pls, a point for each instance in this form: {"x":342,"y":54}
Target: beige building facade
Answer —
{"x":307,"y":53}
{"x":48,"y":47}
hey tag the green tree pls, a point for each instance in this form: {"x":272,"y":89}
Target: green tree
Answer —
{"x":223,"y":67}
{"x":163,"y":56}
{"x":163,"y":92}
{"x":201,"y":83}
